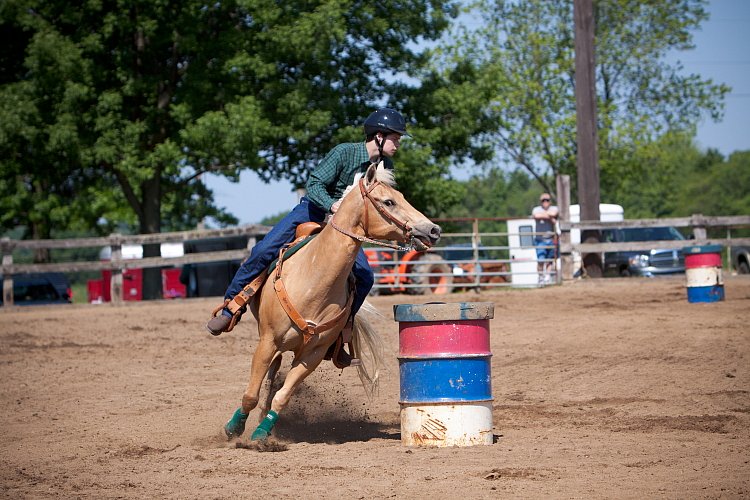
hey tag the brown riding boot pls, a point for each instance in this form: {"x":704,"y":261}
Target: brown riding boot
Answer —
{"x":218,"y":324}
{"x":338,"y":355}
{"x":342,"y":359}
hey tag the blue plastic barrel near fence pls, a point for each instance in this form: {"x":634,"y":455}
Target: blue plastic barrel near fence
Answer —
{"x":703,"y":272}
{"x":445,"y":375}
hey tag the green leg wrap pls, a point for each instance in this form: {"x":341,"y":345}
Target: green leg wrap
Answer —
{"x":236,"y":425}
{"x":264,"y":429}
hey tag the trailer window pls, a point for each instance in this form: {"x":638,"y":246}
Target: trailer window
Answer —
{"x":527,"y":239}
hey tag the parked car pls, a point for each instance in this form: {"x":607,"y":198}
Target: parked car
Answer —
{"x":41,"y":289}
{"x":646,"y":262}
{"x":741,"y":259}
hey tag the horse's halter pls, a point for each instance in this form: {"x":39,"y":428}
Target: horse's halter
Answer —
{"x":403,"y":226}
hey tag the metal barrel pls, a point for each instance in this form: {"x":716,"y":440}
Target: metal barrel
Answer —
{"x":703,"y":273}
{"x":445,"y":375}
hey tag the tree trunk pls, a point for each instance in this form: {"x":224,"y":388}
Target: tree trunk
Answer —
{"x":41,"y":228}
{"x":41,"y":231}
{"x":150,"y":222}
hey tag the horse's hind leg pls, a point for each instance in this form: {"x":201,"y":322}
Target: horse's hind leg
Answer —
{"x":270,"y":386}
{"x":301,"y":368}
{"x":262,"y":358}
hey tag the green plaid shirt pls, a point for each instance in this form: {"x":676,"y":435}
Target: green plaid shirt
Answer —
{"x":336,"y":171}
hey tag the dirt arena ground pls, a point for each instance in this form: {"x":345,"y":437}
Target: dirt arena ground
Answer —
{"x":602,"y":389}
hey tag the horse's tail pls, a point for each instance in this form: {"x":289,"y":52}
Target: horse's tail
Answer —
{"x":368,"y":347}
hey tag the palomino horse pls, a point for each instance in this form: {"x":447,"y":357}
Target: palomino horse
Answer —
{"x":315,"y":281}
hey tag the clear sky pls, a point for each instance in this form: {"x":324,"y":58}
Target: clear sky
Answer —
{"x":721,"y":53}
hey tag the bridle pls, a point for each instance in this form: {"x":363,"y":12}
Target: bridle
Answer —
{"x":403,"y":226}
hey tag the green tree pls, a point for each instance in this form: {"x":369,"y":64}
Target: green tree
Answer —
{"x":520,"y":63}
{"x":132,"y":102}
{"x":497,"y":193}
{"x":646,"y":178}
{"x":715,"y":186}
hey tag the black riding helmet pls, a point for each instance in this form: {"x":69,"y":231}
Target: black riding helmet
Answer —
{"x":386,"y":121}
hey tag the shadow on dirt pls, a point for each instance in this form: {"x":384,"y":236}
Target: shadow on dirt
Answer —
{"x":334,"y":431}
{"x":329,"y":412}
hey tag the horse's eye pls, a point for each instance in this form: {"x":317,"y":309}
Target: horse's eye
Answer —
{"x":389,"y":203}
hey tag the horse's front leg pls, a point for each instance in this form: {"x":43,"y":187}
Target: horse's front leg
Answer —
{"x":262,"y":358}
{"x":301,"y":368}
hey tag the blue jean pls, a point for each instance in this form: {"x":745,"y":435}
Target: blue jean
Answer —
{"x":267,"y":249}
{"x":543,"y":253}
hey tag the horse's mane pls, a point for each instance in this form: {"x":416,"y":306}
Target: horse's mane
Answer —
{"x":382,"y":174}
{"x":385,"y":175}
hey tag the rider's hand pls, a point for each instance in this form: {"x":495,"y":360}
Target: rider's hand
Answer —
{"x":335,"y":206}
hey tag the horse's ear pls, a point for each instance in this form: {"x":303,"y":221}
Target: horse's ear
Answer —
{"x":372,"y":173}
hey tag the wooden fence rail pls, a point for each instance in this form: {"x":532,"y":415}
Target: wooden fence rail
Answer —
{"x":117,"y":264}
{"x":699,"y":224}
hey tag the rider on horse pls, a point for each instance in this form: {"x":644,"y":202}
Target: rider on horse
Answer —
{"x":325,"y":187}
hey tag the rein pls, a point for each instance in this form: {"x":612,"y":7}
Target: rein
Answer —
{"x":386,"y":215}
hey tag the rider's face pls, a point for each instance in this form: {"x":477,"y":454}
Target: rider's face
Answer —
{"x":391,"y":143}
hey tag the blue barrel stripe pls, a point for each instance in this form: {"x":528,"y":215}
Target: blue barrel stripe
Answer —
{"x":445,"y":380}
{"x":705,"y":293}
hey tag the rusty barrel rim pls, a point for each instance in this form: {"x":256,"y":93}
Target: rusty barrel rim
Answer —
{"x":442,"y":311}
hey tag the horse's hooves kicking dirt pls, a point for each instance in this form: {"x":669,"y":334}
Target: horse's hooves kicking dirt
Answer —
{"x":269,"y":444}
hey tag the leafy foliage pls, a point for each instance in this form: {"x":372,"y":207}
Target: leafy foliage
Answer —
{"x":520,"y":88}
{"x":129,"y":103}
{"x":111,"y":112}
{"x":716,"y":186}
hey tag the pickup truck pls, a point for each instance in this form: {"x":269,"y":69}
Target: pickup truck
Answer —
{"x":646,"y":262}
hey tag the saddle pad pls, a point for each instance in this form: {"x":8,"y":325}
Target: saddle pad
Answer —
{"x":291,"y":251}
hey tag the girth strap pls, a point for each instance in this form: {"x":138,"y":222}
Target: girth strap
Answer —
{"x":307,"y":327}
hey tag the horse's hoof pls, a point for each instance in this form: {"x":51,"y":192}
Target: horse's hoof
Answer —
{"x":264,"y":429}
{"x":260,"y":435}
{"x":236,"y":425}
{"x":230,"y":434}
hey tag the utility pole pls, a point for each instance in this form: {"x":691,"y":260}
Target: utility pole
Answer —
{"x":587,"y":159}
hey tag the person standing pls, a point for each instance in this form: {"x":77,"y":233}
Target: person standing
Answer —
{"x":545,"y":216}
{"x":383,"y":130}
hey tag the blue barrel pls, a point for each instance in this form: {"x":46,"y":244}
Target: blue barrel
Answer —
{"x":705,"y":282}
{"x":445,"y":373}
